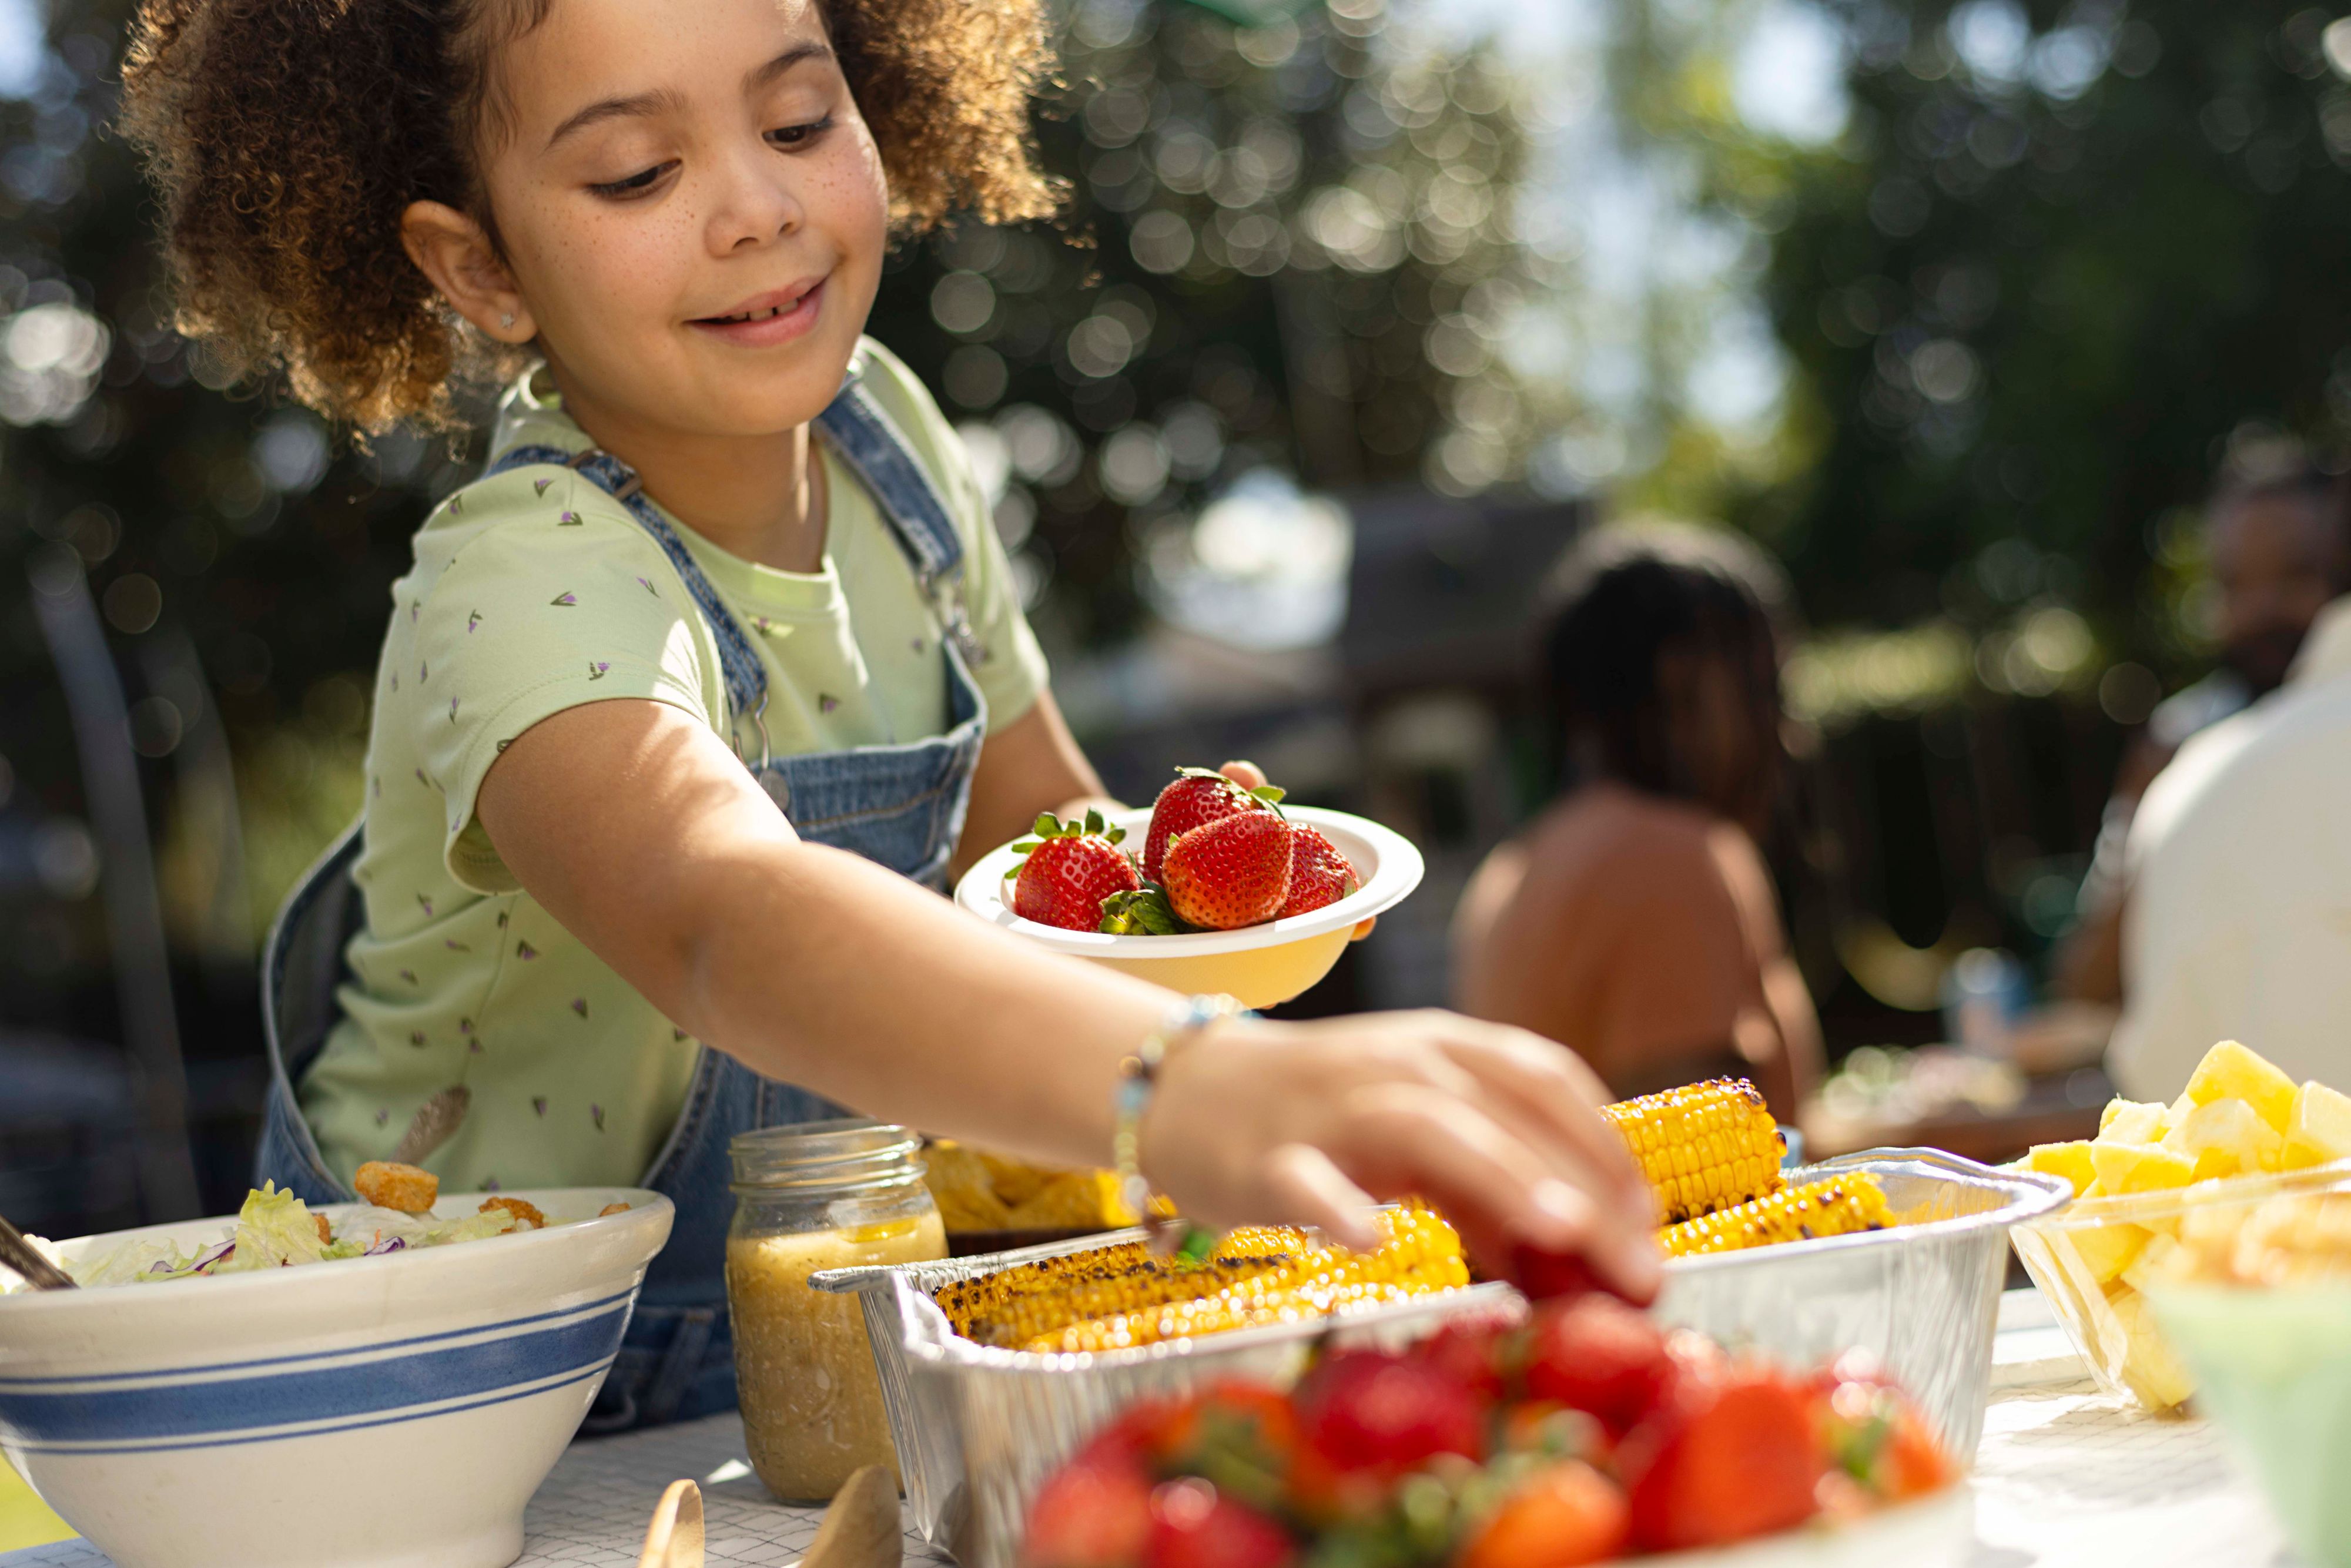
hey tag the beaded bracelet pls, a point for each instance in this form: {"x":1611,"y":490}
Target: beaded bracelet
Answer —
{"x":1138,"y":1075}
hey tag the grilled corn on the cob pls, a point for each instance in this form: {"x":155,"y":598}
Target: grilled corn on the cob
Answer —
{"x":1121,"y":1296}
{"x":1704,"y":1146}
{"x":1837,"y":1207}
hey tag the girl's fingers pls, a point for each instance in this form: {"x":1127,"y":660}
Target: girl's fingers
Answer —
{"x":1308,"y":1190}
{"x":1398,"y":1138}
{"x":1247,"y":775}
{"x":1545,"y":1083}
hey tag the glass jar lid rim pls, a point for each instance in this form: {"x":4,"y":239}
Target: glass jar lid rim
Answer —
{"x":842,"y":1151}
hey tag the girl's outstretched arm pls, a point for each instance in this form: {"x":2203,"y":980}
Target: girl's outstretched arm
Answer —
{"x":633,"y":825}
{"x":1031,"y":765}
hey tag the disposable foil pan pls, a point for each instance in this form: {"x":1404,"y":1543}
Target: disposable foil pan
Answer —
{"x":1923,"y":1297}
{"x":977,"y":1428}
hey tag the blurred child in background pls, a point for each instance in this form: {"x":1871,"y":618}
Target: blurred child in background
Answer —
{"x":1633,"y":921}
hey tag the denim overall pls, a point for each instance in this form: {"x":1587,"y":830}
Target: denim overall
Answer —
{"x":900,"y":805}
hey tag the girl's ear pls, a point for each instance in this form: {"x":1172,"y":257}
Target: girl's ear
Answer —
{"x":452,"y":250}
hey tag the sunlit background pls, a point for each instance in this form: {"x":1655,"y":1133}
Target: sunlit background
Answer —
{"x":1360,"y":312}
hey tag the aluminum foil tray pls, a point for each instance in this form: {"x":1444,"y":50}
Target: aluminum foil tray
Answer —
{"x":1923,"y":1297}
{"x":977,"y":1428}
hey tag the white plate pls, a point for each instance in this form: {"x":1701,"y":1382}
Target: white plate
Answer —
{"x":1936,"y":1531}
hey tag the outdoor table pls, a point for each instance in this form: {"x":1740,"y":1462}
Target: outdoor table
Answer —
{"x":2065,"y":1477}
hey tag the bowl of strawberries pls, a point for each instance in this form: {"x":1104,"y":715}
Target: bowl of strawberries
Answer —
{"x":1217,"y":887}
{"x":1583,"y":1435}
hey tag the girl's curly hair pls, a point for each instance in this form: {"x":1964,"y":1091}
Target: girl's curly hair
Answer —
{"x":286,"y":137}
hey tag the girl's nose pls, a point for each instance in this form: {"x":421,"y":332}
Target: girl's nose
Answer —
{"x":753,"y":201}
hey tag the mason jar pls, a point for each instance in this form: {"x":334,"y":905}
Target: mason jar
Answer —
{"x":818,"y":1194}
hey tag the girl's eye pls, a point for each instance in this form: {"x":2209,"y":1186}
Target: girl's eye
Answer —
{"x":634,"y":184}
{"x":799,"y":135}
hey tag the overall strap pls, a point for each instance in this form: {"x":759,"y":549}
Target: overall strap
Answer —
{"x":747,"y":679}
{"x":865,"y":439}
{"x":869,"y":443}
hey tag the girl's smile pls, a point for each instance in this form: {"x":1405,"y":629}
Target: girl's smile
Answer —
{"x":779,"y":316}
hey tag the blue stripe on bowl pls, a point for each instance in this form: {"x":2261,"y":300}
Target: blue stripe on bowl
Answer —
{"x":79,"y":1380}
{"x":324,"y":1393}
{"x":284,"y":1434}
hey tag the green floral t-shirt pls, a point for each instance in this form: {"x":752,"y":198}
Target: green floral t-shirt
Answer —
{"x":533,"y":592}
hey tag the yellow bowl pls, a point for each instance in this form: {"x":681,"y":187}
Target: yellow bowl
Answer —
{"x":1258,"y":964}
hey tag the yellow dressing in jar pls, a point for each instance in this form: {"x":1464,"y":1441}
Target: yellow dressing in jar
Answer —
{"x":822,"y":1195}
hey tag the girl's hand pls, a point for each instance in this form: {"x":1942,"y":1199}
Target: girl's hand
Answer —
{"x":1312,"y":1123}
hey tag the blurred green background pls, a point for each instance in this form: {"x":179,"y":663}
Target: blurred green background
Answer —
{"x":1361,"y":311}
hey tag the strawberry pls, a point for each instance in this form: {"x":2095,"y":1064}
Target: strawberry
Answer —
{"x":1724,"y":1458}
{"x":1563,"y":1514}
{"x":1368,"y":1411}
{"x":1470,"y":1354}
{"x":1242,"y":1436}
{"x":1094,"y":1512}
{"x":1873,"y":1436}
{"x":1319,"y":875}
{"x":1230,"y":873}
{"x":1197,"y":797}
{"x":1193,"y":1526}
{"x":1543,"y":1276}
{"x":1069,"y":869}
{"x":1596,"y":1354}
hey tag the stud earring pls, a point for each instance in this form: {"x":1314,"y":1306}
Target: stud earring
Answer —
{"x":506,"y":319}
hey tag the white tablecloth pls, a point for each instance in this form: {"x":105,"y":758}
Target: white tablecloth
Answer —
{"x":2065,"y":1479}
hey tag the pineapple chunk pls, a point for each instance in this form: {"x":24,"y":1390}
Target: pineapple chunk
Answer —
{"x":2070,"y":1161}
{"x":2230,"y":1072}
{"x":2107,"y":1250}
{"x":2131,"y":1122}
{"x":2150,"y":1367}
{"x":2225,"y":1138}
{"x":2160,"y":1258}
{"x":2139,"y":1168}
{"x":2318,"y":1130}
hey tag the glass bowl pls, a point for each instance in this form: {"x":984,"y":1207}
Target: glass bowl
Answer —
{"x":2094,"y":1261}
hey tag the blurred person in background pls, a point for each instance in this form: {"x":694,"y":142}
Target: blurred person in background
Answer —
{"x":2279,"y":536}
{"x":1633,"y":921}
{"x":2240,"y":867}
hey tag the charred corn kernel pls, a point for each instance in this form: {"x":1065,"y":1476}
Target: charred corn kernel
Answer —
{"x":1421,"y":1254}
{"x":1837,"y":1207}
{"x":982,"y":1308}
{"x":1704,"y":1146}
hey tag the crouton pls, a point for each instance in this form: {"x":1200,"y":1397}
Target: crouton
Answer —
{"x":404,"y":1188}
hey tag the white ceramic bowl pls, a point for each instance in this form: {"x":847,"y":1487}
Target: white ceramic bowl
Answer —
{"x":1260,"y":965}
{"x":391,"y":1412}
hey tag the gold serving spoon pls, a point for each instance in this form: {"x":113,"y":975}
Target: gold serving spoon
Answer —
{"x":860,"y":1528}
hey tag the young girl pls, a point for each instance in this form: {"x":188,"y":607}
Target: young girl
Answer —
{"x":689,"y":701}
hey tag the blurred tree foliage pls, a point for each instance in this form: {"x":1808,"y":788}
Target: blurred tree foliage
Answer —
{"x":2060,"y":253}
{"x":1287,"y":245}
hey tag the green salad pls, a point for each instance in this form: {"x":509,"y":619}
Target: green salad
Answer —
{"x":274,"y":1229}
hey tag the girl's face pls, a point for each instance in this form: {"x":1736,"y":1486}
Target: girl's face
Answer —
{"x":691,"y":207}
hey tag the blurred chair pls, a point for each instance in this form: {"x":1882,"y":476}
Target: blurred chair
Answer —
{"x":61,"y":1080}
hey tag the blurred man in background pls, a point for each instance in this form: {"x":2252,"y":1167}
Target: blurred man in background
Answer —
{"x":2240,"y":867}
{"x":1633,"y":921}
{"x":2280,"y":544}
